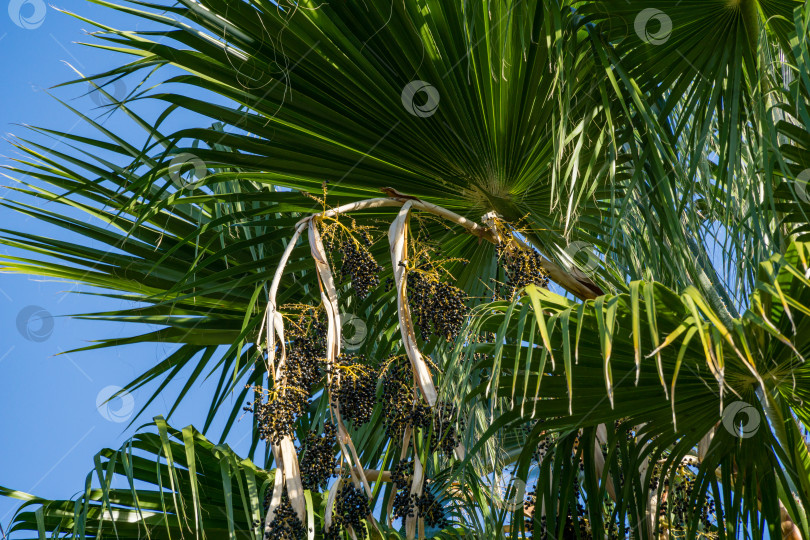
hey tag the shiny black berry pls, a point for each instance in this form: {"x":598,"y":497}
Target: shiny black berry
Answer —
{"x":354,"y":388}
{"x":359,"y":266}
{"x":438,"y":308}
{"x":317,"y":458}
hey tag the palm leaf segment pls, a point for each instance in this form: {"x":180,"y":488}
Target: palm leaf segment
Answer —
{"x":684,"y":388}
{"x":162,"y":483}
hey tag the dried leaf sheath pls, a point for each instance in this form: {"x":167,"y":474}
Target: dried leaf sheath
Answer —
{"x":278,"y":487}
{"x":328,"y":293}
{"x":273,"y":324}
{"x":287,"y":472}
{"x":416,"y":489}
{"x":292,"y":478}
{"x":326,"y":283}
{"x":397,"y":238}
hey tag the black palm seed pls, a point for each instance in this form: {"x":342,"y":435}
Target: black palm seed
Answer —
{"x":351,"y":508}
{"x":285,"y":524}
{"x":428,"y":508}
{"x":359,"y":265}
{"x":317,"y":458}
{"x":354,"y":388}
{"x":437,"y":307}
{"x":523,"y":266}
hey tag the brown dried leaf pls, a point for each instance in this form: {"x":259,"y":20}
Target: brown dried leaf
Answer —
{"x":416,"y":489}
{"x":278,"y":486}
{"x":292,"y":478}
{"x":273,"y":323}
{"x":397,"y":239}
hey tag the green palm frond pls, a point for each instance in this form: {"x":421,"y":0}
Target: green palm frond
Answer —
{"x":162,"y":483}
{"x":483,"y":146}
{"x":663,"y":366}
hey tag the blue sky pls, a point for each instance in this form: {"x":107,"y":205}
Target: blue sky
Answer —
{"x":50,"y":425}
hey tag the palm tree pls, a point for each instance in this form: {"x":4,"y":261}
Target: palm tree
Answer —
{"x":425,"y":168}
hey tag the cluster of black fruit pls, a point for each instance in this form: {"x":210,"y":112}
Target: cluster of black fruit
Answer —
{"x":531,"y":503}
{"x":542,"y":448}
{"x":285,"y":524}
{"x":403,"y":501}
{"x":306,"y":349}
{"x":573,"y":528}
{"x":615,"y":526}
{"x":522,"y":266}
{"x":403,"y":506}
{"x":302,"y":367}
{"x":406,"y":504}
{"x":438,"y":307}
{"x":707,"y":514}
{"x":354,"y":388}
{"x":655,"y":477}
{"x":401,"y":409}
{"x":429,"y":509}
{"x":401,"y":473}
{"x":351,"y":508}
{"x":678,"y":506}
{"x":310,"y":326}
{"x":577,"y":523}
{"x":445,"y":436}
{"x":301,"y":372}
{"x":317,"y":458}
{"x":581,"y":518}
{"x":276,"y":417}
{"x":359,"y":265}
